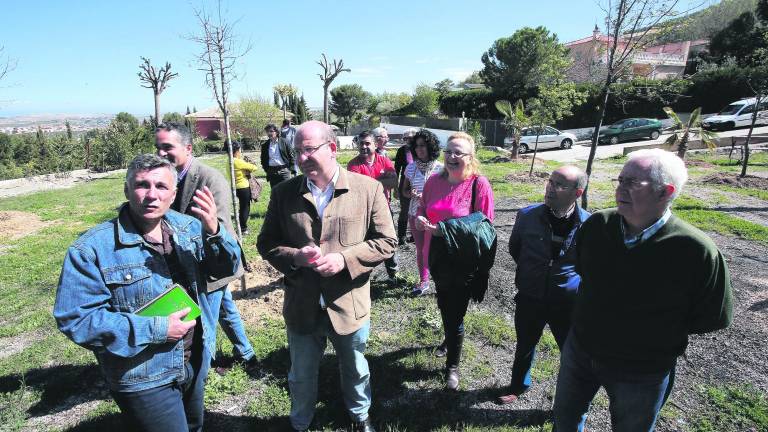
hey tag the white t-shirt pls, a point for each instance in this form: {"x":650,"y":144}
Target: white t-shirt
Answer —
{"x":417,"y":180}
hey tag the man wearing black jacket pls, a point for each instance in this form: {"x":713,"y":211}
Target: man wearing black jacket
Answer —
{"x":277,"y":158}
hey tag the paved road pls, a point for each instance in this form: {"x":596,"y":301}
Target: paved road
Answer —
{"x":580,"y":150}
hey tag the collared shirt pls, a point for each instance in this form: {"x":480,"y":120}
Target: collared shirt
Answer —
{"x":646,"y":233}
{"x":322,"y":198}
{"x":274,"y":154}
{"x":561,"y":228}
{"x":183,"y":173}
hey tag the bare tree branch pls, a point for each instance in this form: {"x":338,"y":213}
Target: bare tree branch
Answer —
{"x":330,"y":72}
{"x":629,"y":26}
{"x":6,"y":66}
{"x":155,"y":79}
{"x":219,"y":53}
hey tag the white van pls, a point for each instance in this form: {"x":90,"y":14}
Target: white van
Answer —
{"x":737,"y":114}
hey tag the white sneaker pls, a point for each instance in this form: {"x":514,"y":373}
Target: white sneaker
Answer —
{"x":421,"y":289}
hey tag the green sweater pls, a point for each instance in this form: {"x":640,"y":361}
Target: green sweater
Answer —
{"x":636,"y":307}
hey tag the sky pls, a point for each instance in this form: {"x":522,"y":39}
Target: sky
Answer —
{"x":82,"y":57}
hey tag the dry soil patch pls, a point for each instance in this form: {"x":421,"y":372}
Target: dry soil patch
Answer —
{"x":525,"y":178}
{"x":729,"y":179}
{"x":264,"y":296}
{"x":15,"y":224}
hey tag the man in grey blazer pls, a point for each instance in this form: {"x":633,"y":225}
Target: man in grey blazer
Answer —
{"x":325,"y":231}
{"x":173,"y":142}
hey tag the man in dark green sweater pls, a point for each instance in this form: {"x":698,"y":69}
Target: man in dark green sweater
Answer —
{"x":648,"y":280}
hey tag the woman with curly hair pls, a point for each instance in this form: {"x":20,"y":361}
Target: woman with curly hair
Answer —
{"x":425,"y":149}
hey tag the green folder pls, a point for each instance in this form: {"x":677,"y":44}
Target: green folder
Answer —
{"x":171,"y":300}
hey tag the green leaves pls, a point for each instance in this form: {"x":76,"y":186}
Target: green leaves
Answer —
{"x":682,"y":133}
{"x":519,"y":64}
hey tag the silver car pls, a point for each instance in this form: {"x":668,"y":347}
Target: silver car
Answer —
{"x":548,"y":138}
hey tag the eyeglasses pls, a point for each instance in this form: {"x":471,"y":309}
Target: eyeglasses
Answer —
{"x":630,"y":183}
{"x":309,"y":151}
{"x":559,"y":186}
{"x":454,"y":153}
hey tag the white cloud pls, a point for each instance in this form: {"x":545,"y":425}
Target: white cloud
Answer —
{"x":456,"y":73}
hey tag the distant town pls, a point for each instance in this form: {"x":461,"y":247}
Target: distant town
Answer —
{"x":54,"y":123}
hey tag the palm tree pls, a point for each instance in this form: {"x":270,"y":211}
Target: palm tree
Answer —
{"x":514,"y":121}
{"x":683,"y":133}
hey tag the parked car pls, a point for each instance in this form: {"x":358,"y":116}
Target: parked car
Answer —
{"x":632,"y":128}
{"x":548,"y":138}
{"x":737,"y":114}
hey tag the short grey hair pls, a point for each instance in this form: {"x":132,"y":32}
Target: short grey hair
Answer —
{"x":180,"y":128}
{"x":581,"y":178}
{"x":146,"y":162}
{"x":410,"y":131}
{"x":377,"y":132}
{"x":666,"y":168}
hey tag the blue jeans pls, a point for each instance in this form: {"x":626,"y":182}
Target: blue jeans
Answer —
{"x":531,"y":315}
{"x":635,"y":398}
{"x":174,"y":407}
{"x":230,"y":321}
{"x":306,"y":350}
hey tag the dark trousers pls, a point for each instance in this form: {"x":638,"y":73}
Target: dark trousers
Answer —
{"x":275,"y":177}
{"x":452,"y":299}
{"x":174,"y":407}
{"x":634,"y":398}
{"x":531,"y":315}
{"x":402,"y":218}
{"x":392,"y":263}
{"x":244,"y":201}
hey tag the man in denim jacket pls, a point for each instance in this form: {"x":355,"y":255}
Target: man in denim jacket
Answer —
{"x":155,"y":367}
{"x":542,"y":244}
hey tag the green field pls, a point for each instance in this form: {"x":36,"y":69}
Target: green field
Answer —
{"x":42,"y":374}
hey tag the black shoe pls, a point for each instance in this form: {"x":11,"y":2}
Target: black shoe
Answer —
{"x":250,"y":364}
{"x":362,"y":426}
{"x":401,"y":241}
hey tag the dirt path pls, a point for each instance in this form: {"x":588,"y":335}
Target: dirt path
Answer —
{"x":28,"y":185}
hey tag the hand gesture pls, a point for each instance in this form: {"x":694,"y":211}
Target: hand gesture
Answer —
{"x":423,"y":224}
{"x":205,"y":210}
{"x":329,"y":265}
{"x":178,"y":328}
{"x":307,"y":256}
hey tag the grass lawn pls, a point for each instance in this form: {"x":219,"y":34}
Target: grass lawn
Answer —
{"x":41,"y":371}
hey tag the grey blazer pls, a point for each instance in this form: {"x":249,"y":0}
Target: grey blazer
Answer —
{"x":200,"y":175}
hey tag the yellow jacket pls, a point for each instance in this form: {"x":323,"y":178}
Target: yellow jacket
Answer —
{"x":241,"y":168}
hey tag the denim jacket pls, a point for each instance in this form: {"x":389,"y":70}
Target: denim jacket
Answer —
{"x":539,"y":275}
{"x":109,"y":272}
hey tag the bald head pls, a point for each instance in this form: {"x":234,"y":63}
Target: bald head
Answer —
{"x":315,"y":145}
{"x":564,"y":187}
{"x":573,"y":174}
{"x":316,"y":128}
